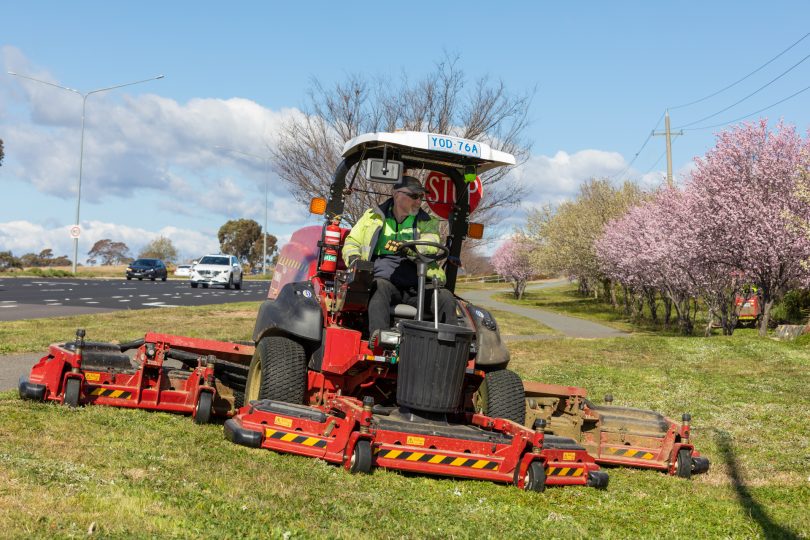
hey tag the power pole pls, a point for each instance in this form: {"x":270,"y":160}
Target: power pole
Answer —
{"x":668,"y":134}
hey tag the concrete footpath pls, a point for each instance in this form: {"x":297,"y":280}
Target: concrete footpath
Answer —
{"x":568,"y":326}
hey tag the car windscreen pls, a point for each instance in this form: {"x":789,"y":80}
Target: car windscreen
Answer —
{"x":145,"y":262}
{"x":215,"y":260}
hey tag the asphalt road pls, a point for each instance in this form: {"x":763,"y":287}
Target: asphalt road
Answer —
{"x":33,"y":298}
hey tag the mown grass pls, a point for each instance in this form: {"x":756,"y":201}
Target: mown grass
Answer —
{"x":227,"y":322}
{"x":131,"y":473}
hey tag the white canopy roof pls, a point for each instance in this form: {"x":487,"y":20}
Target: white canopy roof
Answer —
{"x":445,"y":148}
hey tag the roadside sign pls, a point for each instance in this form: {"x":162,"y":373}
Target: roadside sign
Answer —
{"x":441,"y":193}
{"x":75,"y":231}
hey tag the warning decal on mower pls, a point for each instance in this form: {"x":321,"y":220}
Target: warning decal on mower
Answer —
{"x":564,"y":471}
{"x":110,"y":393}
{"x":634,"y":454}
{"x":437,"y":459}
{"x":293,"y":438}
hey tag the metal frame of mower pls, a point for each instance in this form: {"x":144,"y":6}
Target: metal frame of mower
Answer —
{"x":202,"y":382}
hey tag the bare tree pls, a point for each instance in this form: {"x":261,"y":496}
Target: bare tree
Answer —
{"x":310,"y":145}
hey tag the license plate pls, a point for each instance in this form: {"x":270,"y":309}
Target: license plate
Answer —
{"x":454,"y":145}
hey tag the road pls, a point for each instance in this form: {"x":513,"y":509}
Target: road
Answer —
{"x":33,"y":298}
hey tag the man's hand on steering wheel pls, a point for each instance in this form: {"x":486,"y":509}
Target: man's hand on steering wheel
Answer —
{"x":409,"y":250}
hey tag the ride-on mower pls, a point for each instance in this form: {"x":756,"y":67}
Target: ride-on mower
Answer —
{"x":320,"y":386}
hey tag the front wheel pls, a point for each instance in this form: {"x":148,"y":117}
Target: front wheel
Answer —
{"x":683,"y":464}
{"x":72,"y":390}
{"x":202,"y":412}
{"x":163,"y":278}
{"x":535,"y":478}
{"x":277,"y":371}
{"x":360,"y":462}
{"x":501,"y":395}
{"x":238,"y":285}
{"x":230,"y":282}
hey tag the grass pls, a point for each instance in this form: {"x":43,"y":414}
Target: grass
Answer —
{"x":128,"y":473}
{"x":517,"y":325}
{"x":225,"y":322}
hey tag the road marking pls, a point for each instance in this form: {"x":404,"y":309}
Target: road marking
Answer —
{"x":116,"y":297}
{"x":124,"y":300}
{"x":128,"y":288}
{"x":91,"y":302}
{"x":54,"y":304}
{"x":158,"y":304}
{"x":53,"y":290}
{"x":9,"y":305}
{"x":88,"y":298}
{"x":8,"y":301}
{"x":143,"y":295}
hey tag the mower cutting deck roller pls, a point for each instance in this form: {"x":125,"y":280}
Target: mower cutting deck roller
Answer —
{"x":168,"y":373}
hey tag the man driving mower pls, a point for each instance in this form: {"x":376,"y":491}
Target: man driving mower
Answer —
{"x":378,"y":237}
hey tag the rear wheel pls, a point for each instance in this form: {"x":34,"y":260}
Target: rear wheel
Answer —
{"x":202,"y":412}
{"x":360,"y":462}
{"x":277,"y":371}
{"x":501,"y":395}
{"x":163,"y":278}
{"x":683,"y":464}
{"x":72,"y":389}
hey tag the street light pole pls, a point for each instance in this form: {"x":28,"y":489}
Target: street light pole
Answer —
{"x":84,"y":96}
{"x":266,"y":161}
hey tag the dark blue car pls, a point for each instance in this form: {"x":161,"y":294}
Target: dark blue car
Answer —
{"x":147,"y":268}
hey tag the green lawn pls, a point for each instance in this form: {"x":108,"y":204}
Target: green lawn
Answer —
{"x":131,"y":473}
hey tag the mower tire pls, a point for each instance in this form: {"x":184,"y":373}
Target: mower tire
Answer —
{"x":501,"y":395}
{"x":683,"y":463}
{"x":278,"y":371}
{"x":535,"y":479}
{"x":72,"y":389}
{"x":360,"y":462}
{"x":202,"y":411}
{"x":598,"y":479}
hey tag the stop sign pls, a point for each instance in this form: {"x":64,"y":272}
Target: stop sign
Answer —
{"x":441,"y":193}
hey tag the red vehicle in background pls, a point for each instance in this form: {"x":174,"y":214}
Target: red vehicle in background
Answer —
{"x":748,"y":306}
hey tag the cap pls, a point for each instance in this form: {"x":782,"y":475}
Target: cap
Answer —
{"x":409,"y":183}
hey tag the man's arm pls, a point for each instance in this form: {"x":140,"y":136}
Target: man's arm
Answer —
{"x":352,"y":246}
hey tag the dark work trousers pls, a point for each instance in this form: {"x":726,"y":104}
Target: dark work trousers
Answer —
{"x":385,"y":294}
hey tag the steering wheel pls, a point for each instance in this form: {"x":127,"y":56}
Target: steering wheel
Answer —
{"x":426,"y":258}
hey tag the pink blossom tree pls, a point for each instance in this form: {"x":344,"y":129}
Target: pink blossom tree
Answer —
{"x":744,"y":193}
{"x":513,"y":261}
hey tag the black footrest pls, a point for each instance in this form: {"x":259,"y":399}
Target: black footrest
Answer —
{"x":239,"y":435}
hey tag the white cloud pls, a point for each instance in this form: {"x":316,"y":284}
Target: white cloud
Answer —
{"x":25,"y":237}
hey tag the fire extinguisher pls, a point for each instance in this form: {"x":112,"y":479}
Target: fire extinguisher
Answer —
{"x":331,"y":243}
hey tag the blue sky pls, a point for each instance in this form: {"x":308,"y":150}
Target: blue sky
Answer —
{"x":603,"y":71}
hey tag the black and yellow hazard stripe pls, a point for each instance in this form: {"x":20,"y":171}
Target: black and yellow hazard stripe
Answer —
{"x":286,"y":436}
{"x":634,"y":454}
{"x":111,"y":393}
{"x":564,"y":471}
{"x":437,"y":459}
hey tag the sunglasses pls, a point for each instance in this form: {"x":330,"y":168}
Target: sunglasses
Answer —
{"x":414,"y":196}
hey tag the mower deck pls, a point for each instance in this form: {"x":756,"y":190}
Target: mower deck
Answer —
{"x":347,"y":432}
{"x":167,"y":373}
{"x":612,"y":435}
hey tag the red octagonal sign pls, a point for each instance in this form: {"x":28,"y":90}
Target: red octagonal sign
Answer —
{"x":441,"y":193}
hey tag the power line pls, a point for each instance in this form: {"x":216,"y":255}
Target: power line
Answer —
{"x":643,"y":145}
{"x":805,"y":89}
{"x":791,"y":68}
{"x":741,"y":80}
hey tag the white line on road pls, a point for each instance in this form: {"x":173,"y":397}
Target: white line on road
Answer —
{"x":158,"y":304}
{"x":53,"y":290}
{"x":88,"y":298}
{"x":124,"y":300}
{"x":91,"y":302}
